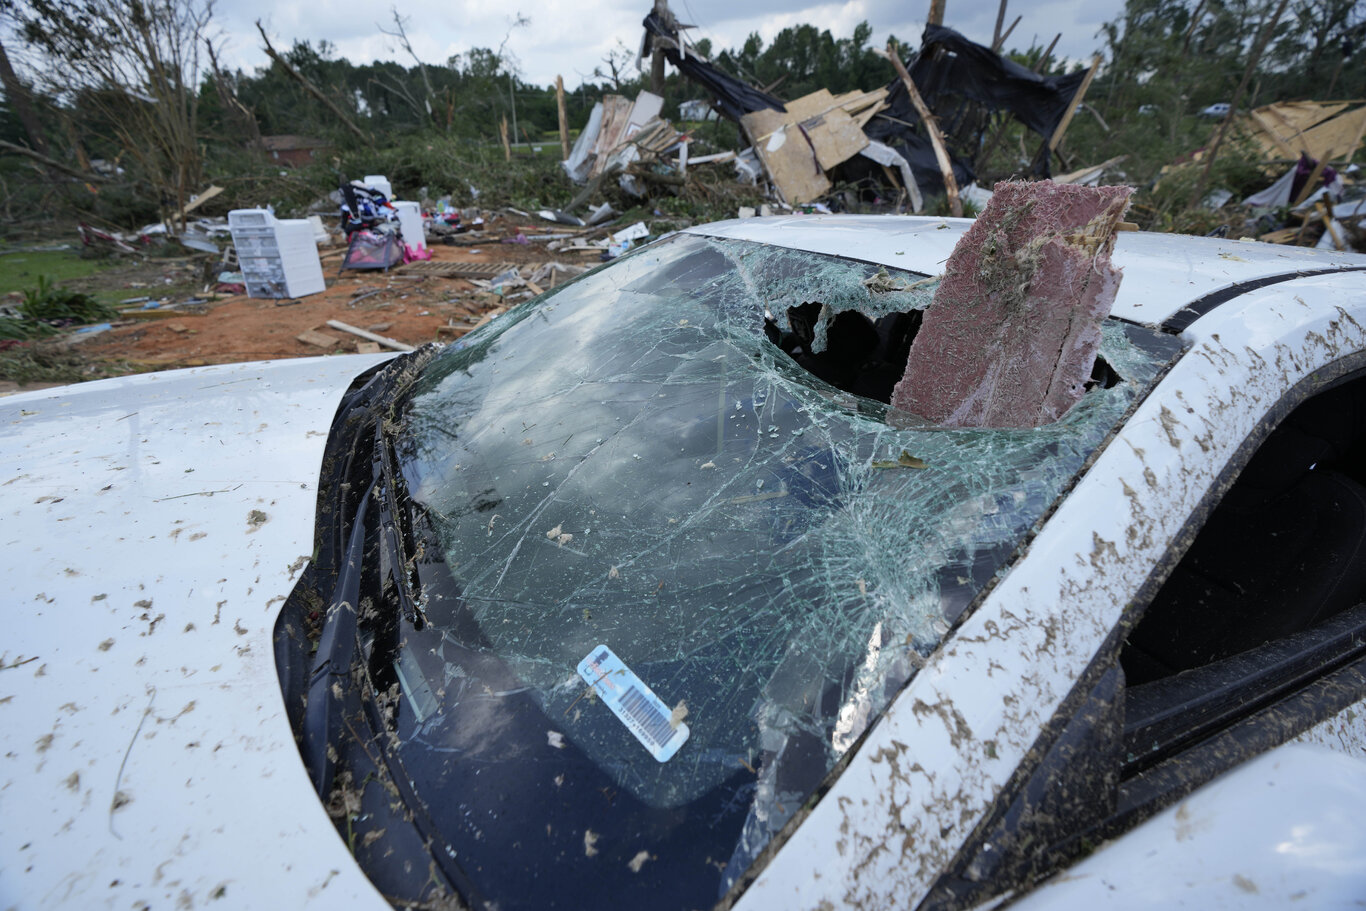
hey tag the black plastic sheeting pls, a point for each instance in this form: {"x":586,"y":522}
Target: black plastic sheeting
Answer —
{"x":949,"y":65}
{"x":733,"y":97}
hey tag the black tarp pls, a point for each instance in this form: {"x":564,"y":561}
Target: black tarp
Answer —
{"x":733,"y":97}
{"x":950,"y":65}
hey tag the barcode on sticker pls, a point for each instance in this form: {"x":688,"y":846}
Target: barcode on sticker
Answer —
{"x":655,"y":723}
{"x":644,"y":715}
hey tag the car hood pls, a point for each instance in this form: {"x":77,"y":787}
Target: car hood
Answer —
{"x":153,"y":527}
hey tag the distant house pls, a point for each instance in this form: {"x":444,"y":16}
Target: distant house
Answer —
{"x":294,"y":150}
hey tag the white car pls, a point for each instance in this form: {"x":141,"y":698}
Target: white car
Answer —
{"x":641,"y":597}
{"x":1216,"y":111}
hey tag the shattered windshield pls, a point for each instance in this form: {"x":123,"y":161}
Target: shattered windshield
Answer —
{"x":675,"y":575}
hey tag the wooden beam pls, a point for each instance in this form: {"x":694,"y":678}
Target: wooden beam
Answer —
{"x":932,"y":127}
{"x":936,"y":16}
{"x":195,"y":203}
{"x":1308,"y":187}
{"x":369,"y":336}
{"x":1043,"y":61}
{"x":503,"y":132}
{"x":564,"y":121}
{"x":1000,"y":42}
{"x":1000,"y":20}
{"x":1058,"y":133}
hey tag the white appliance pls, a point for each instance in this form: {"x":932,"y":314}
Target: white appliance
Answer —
{"x":278,"y":257}
{"x":410,"y":220}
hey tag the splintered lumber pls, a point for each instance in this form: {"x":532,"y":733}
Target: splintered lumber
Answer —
{"x":1056,"y":138}
{"x":1012,"y":334}
{"x":941,"y":153}
{"x":369,"y":336}
{"x":787,"y":156}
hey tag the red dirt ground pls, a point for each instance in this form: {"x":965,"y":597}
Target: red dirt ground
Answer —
{"x":409,"y":309}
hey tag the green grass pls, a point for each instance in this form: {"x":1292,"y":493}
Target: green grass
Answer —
{"x":21,"y":271}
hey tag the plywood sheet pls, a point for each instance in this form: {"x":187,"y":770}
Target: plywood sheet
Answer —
{"x":835,"y":136}
{"x":806,"y":106}
{"x":787,"y":157}
{"x":1337,"y":139}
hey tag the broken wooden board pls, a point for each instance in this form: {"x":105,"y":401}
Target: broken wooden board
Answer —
{"x":320,"y":339}
{"x":1336,"y":139}
{"x":815,"y":133}
{"x":454,"y":270}
{"x":1011,"y":337}
{"x":787,"y":156}
{"x":616,"y":116}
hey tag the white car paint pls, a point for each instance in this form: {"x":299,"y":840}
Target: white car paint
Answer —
{"x":1283,"y":830}
{"x":147,"y":755}
{"x":152,"y":527}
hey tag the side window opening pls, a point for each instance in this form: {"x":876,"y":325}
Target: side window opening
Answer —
{"x":1284,"y":550}
{"x":1269,"y":595}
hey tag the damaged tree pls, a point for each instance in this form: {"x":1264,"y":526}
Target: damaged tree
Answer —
{"x":1012,"y":335}
{"x":135,"y":66}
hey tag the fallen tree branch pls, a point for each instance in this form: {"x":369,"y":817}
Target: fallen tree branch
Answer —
{"x":50,"y":162}
{"x":310,"y":87}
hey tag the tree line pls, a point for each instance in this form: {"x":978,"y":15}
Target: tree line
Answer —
{"x":139,"y":82}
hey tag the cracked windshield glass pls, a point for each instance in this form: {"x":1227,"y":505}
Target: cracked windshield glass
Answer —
{"x":672,"y":574}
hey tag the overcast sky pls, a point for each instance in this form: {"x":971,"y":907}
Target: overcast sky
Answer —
{"x":570,"y":37}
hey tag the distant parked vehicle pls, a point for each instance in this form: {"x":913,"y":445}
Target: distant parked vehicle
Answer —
{"x":1216,"y":111}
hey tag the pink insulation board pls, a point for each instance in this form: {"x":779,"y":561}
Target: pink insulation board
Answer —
{"x":1015,"y":325}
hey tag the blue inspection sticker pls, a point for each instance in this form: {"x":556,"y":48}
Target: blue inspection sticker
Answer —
{"x":644,"y":715}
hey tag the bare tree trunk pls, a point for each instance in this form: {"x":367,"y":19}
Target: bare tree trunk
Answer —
{"x":50,"y":162}
{"x":1043,"y":61}
{"x":401,"y":34}
{"x":564,"y":121}
{"x":1000,"y":21}
{"x":19,"y":100}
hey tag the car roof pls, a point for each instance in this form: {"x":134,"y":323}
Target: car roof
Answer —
{"x":1163,"y":273}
